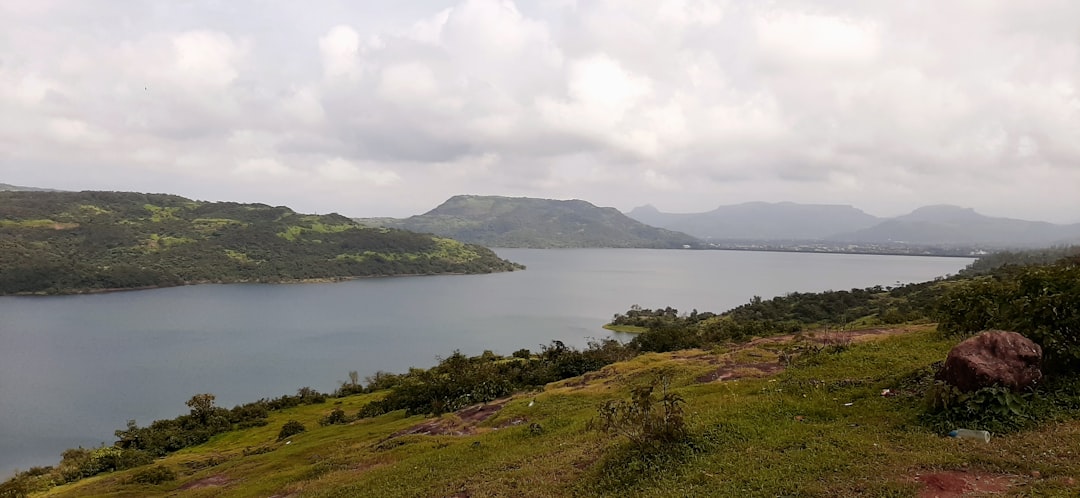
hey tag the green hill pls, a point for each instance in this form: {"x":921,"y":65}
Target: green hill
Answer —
{"x":496,"y":221}
{"x":64,"y":242}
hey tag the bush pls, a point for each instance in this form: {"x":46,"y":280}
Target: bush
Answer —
{"x":995,"y":408}
{"x":1041,"y":302}
{"x":646,"y":420}
{"x":335,"y":417}
{"x":154,"y":475}
{"x":291,"y":428}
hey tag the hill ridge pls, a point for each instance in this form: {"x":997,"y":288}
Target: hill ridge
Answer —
{"x":64,"y":242}
{"x":499,"y":221}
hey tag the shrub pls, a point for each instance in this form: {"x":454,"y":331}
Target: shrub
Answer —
{"x":995,"y":408}
{"x":1041,"y":302}
{"x":154,"y":475}
{"x":335,"y":417}
{"x":646,"y":420}
{"x":291,"y":428}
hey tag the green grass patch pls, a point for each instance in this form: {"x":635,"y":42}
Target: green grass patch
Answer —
{"x":159,"y":214}
{"x":626,"y":329}
{"x":42,"y":223}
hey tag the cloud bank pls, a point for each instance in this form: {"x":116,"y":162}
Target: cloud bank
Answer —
{"x":386,"y":109}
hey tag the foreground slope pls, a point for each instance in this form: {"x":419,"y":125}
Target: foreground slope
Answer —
{"x":59,"y":242}
{"x":818,"y":427}
{"x":496,"y":221}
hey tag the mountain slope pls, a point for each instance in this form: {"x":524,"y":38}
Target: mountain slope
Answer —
{"x":540,"y":223}
{"x":17,"y":188}
{"x":59,"y":242}
{"x":945,"y":224}
{"x":761,"y":221}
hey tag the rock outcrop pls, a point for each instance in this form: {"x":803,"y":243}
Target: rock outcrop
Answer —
{"x":993,"y":357}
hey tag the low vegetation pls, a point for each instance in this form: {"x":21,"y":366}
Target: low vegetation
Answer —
{"x":64,"y":242}
{"x":836,"y":411}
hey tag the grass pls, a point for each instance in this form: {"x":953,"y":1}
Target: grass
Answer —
{"x":627,"y":329}
{"x":44,"y":223}
{"x":819,"y":428}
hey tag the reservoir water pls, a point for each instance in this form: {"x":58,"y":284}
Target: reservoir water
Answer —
{"x":75,"y":368}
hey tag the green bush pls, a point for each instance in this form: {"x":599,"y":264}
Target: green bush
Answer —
{"x":291,"y":428}
{"x":645,"y":419}
{"x":335,"y":417}
{"x":154,"y":475}
{"x":1040,"y":302}
{"x":996,"y":409}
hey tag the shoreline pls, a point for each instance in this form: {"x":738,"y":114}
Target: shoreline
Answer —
{"x":293,"y":281}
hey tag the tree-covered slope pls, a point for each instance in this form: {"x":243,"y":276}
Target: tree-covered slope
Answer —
{"x":541,"y":223}
{"x":60,"y":242}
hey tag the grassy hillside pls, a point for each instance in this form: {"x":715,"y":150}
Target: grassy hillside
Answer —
{"x":60,"y":242}
{"x":540,"y":223}
{"x":814,"y":426}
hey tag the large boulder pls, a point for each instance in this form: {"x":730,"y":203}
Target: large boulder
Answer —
{"x":993,"y":357}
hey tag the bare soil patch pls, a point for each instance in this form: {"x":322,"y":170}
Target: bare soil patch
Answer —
{"x":206,"y":482}
{"x":732,"y":370}
{"x":954,"y":483}
{"x":463,"y":423}
{"x":737,"y":371}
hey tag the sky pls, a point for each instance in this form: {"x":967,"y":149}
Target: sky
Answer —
{"x":375,"y":108}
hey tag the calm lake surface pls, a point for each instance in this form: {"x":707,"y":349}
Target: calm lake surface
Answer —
{"x":75,"y":368}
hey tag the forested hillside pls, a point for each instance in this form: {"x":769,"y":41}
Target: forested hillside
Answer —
{"x":496,"y":221}
{"x":63,"y":242}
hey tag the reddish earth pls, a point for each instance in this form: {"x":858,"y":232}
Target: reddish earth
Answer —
{"x":464,"y":425}
{"x":734,"y":371}
{"x":215,"y":480}
{"x":953,"y":483}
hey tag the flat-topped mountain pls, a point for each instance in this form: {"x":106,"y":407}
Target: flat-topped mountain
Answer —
{"x":60,"y":242}
{"x":945,"y":224}
{"x":761,"y":221}
{"x":496,"y":221}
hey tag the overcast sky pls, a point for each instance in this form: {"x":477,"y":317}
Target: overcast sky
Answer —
{"x":379,"y":108}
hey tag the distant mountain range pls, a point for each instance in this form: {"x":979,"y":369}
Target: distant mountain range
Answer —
{"x":496,"y":221}
{"x":4,"y":187}
{"x":761,"y":221}
{"x":938,"y":225}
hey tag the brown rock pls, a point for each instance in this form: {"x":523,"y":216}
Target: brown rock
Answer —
{"x":993,"y":357}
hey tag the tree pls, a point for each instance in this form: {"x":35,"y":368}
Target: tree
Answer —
{"x":202,"y":406}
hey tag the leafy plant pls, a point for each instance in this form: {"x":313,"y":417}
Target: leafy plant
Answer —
{"x":994,"y":408}
{"x":645,"y":419}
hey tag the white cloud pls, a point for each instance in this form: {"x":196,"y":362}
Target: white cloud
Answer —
{"x":340,"y":51}
{"x":682,"y":103}
{"x":342,"y":170}
{"x":801,"y":38}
